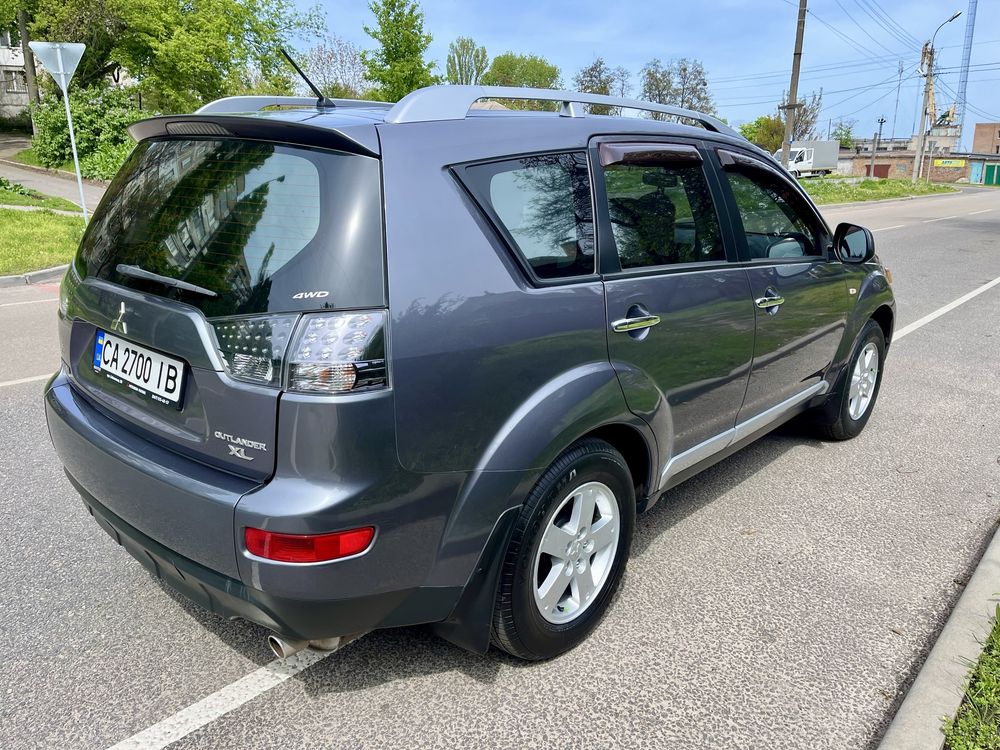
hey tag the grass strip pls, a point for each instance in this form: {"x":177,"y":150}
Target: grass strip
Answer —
{"x":32,"y":240}
{"x":976,"y":725}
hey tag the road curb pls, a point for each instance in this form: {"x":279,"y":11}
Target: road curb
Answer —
{"x":34,"y":277}
{"x":822,"y":206}
{"x":54,"y":172}
{"x":939,"y":688}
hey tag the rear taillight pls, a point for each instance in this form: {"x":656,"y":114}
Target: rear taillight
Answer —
{"x":330,"y":352}
{"x":337,"y":352}
{"x":253,"y":347}
{"x":307,"y":548}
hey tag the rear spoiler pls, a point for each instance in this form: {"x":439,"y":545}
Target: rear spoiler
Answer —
{"x":360,"y":139}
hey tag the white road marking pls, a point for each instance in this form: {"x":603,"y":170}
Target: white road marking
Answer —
{"x":942,"y":310}
{"x":29,"y":302}
{"x":894,"y":226}
{"x":22,"y":381}
{"x":221,"y":702}
{"x":940,"y":218}
{"x":973,"y":213}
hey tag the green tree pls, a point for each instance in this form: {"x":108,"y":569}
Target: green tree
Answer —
{"x":691,"y":86}
{"x":532,"y":71}
{"x":657,"y":84}
{"x":398,"y":66}
{"x":467,"y":61}
{"x":767,"y":131}
{"x":599,"y":78}
{"x":843,"y":131}
{"x":181,"y":53}
{"x":511,"y":69}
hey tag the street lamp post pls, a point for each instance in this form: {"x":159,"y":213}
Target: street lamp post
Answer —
{"x":927,"y":56}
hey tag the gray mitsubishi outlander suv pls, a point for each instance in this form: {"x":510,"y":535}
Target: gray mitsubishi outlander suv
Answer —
{"x":354,"y":365}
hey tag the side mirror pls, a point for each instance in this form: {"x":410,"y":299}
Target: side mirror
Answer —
{"x":853,"y":244}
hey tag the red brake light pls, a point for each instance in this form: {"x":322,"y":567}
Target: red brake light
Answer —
{"x":308,"y":548}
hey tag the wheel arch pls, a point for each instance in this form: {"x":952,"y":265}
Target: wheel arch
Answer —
{"x":884,"y":316}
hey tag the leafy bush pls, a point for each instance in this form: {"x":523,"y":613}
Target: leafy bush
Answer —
{"x":103,"y":164}
{"x":101,"y":116}
{"x":13,"y":187}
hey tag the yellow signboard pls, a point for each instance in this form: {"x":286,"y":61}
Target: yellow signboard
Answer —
{"x":949,"y":162}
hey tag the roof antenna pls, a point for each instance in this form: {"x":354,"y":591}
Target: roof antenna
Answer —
{"x":321,"y":101}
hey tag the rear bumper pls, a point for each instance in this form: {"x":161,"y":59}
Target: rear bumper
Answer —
{"x":179,"y":519}
{"x":299,"y":619}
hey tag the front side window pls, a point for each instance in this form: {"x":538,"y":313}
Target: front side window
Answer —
{"x":773,"y":226}
{"x":543,"y":204}
{"x":662,"y":214}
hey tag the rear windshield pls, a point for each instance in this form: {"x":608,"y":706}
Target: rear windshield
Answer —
{"x":266,"y":227}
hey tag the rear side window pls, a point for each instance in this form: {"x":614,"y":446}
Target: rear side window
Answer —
{"x":542,"y":205}
{"x":266,"y":227}
{"x":662,"y":214}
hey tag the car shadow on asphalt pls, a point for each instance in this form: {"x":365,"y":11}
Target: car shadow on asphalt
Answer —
{"x":711,"y":484}
{"x":386,"y":656}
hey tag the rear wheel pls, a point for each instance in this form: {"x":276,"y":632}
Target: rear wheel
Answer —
{"x":846,"y":413}
{"x":567,"y":554}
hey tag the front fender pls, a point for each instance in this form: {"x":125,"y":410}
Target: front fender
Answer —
{"x":873,"y":292}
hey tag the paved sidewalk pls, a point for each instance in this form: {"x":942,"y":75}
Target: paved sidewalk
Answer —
{"x":44,"y":182}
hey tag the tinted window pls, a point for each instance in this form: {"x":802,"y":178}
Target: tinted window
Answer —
{"x":774,"y":227}
{"x":256,"y":223}
{"x":662,"y":214}
{"x":543,"y":204}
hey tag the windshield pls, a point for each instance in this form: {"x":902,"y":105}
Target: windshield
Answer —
{"x":266,"y":227}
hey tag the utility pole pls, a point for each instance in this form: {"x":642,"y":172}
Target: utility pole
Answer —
{"x":793,"y":86}
{"x":878,"y":137}
{"x":927,"y":58}
{"x":895,"y":111}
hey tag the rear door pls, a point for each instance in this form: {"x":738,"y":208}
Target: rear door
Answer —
{"x":191,"y":277}
{"x":799,"y":287}
{"x":680,"y":317}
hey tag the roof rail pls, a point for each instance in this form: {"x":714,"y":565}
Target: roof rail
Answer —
{"x":453,"y":103}
{"x":231,"y":104}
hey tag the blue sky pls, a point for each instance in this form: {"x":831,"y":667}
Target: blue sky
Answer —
{"x":746,"y":47}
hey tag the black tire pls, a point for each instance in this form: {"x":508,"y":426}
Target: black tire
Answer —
{"x":834,"y":420}
{"x":518,"y":626}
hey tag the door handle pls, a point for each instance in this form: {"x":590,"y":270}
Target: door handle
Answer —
{"x":765,"y":303}
{"x":637,"y":323}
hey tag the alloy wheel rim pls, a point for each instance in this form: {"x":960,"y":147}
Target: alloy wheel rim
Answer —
{"x":578,"y":547}
{"x":864,"y":377}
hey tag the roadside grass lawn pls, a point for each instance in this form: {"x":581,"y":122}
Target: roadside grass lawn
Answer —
{"x":13,"y":194}
{"x":29,"y":157}
{"x":976,"y":726}
{"x":837,"y":191}
{"x":32,"y":240}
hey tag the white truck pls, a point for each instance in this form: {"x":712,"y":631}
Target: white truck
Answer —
{"x":811,"y":158}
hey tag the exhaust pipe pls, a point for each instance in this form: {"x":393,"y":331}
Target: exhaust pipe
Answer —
{"x":283,"y":647}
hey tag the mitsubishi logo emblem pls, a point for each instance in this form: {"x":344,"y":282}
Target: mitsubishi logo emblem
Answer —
{"x":119,"y":322}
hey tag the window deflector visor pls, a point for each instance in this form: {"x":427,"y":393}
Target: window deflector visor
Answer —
{"x":641,"y":154}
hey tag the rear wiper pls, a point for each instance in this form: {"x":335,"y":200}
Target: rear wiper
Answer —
{"x":140,"y":273}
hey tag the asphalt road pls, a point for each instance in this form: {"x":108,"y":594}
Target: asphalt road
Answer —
{"x":61,"y":186}
{"x":784,"y":598}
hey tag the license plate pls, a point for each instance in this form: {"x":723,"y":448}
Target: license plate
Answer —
{"x":139,"y":369}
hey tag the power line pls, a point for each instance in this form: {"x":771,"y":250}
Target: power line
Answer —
{"x":853,"y":20}
{"x":883,"y":19}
